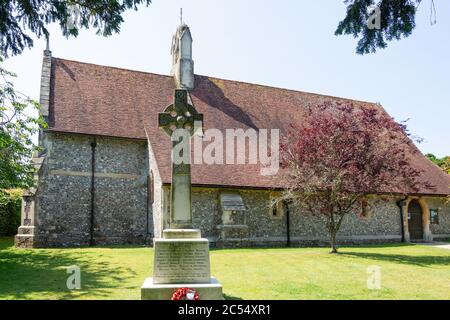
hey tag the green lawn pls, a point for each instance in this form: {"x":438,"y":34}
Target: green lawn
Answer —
{"x":407,"y":272}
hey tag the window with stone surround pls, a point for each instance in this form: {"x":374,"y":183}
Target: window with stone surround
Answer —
{"x":434,"y":216}
{"x":276,"y":207}
{"x":366,"y":209}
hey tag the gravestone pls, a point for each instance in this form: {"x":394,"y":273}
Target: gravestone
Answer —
{"x":181,"y":256}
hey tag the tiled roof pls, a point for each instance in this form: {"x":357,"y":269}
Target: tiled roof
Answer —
{"x":100,"y":100}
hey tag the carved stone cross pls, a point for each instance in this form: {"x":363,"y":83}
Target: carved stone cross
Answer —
{"x":26,"y":220}
{"x":180,"y":115}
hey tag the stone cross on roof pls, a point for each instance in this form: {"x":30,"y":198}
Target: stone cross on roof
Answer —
{"x":180,"y":116}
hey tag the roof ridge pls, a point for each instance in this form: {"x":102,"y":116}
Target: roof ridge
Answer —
{"x":291,"y":90}
{"x":222,"y":79}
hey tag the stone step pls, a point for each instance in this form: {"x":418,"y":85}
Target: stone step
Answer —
{"x":206,"y":291}
{"x":181,"y":234}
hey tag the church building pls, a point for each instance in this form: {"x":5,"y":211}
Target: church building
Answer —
{"x":104,"y":173}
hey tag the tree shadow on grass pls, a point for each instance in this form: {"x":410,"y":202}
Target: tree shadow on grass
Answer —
{"x":422,"y":261}
{"x":42,"y":274}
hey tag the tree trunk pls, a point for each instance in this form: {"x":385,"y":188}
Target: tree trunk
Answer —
{"x":333,"y":242}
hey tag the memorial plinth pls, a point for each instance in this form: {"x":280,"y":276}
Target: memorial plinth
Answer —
{"x":181,"y":260}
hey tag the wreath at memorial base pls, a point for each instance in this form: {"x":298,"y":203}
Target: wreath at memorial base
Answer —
{"x":185,"y":294}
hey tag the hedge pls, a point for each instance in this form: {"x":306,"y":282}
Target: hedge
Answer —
{"x":10,"y":206}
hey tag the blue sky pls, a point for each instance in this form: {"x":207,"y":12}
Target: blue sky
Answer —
{"x":288,"y":44}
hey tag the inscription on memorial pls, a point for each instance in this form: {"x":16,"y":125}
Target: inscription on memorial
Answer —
{"x":182,"y":262}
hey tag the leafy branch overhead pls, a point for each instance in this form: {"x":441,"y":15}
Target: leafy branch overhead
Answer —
{"x":20,"y":18}
{"x":396,"y":21}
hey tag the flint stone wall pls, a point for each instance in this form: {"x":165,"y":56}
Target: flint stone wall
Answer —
{"x":64,"y":194}
{"x":266,"y":230}
{"x":440,"y":231}
{"x":122,"y":213}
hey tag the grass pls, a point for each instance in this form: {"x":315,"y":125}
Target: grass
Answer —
{"x":407,"y":272}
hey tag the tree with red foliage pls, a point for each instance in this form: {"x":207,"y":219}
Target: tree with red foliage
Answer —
{"x":341,"y":154}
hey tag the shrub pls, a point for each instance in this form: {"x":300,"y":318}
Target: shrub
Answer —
{"x":10,"y":205}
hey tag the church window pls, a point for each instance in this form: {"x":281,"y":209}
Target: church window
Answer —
{"x":434,"y":216}
{"x":276,"y":208}
{"x":366,"y":209}
{"x":274,"y":211}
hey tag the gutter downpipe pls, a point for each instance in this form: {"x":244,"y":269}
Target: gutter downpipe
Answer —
{"x":91,"y":231}
{"x":288,"y":225}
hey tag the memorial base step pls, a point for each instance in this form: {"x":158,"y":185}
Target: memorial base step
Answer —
{"x":206,"y":291}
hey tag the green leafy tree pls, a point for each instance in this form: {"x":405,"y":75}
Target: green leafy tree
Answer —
{"x":17,"y":126}
{"x":396,"y":17}
{"x":10,"y":202}
{"x":17,"y":17}
{"x":446,"y":164}
{"x":443,"y":163}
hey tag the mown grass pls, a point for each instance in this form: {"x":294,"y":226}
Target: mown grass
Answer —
{"x":407,"y":272}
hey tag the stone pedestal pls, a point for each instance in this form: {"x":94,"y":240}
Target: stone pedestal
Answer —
{"x":25,"y":234}
{"x":181,"y":260}
{"x":25,"y":237}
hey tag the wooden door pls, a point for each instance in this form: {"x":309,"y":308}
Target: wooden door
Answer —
{"x":415,"y":224}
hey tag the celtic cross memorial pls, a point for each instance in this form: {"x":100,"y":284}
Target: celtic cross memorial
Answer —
{"x":180,"y":120}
